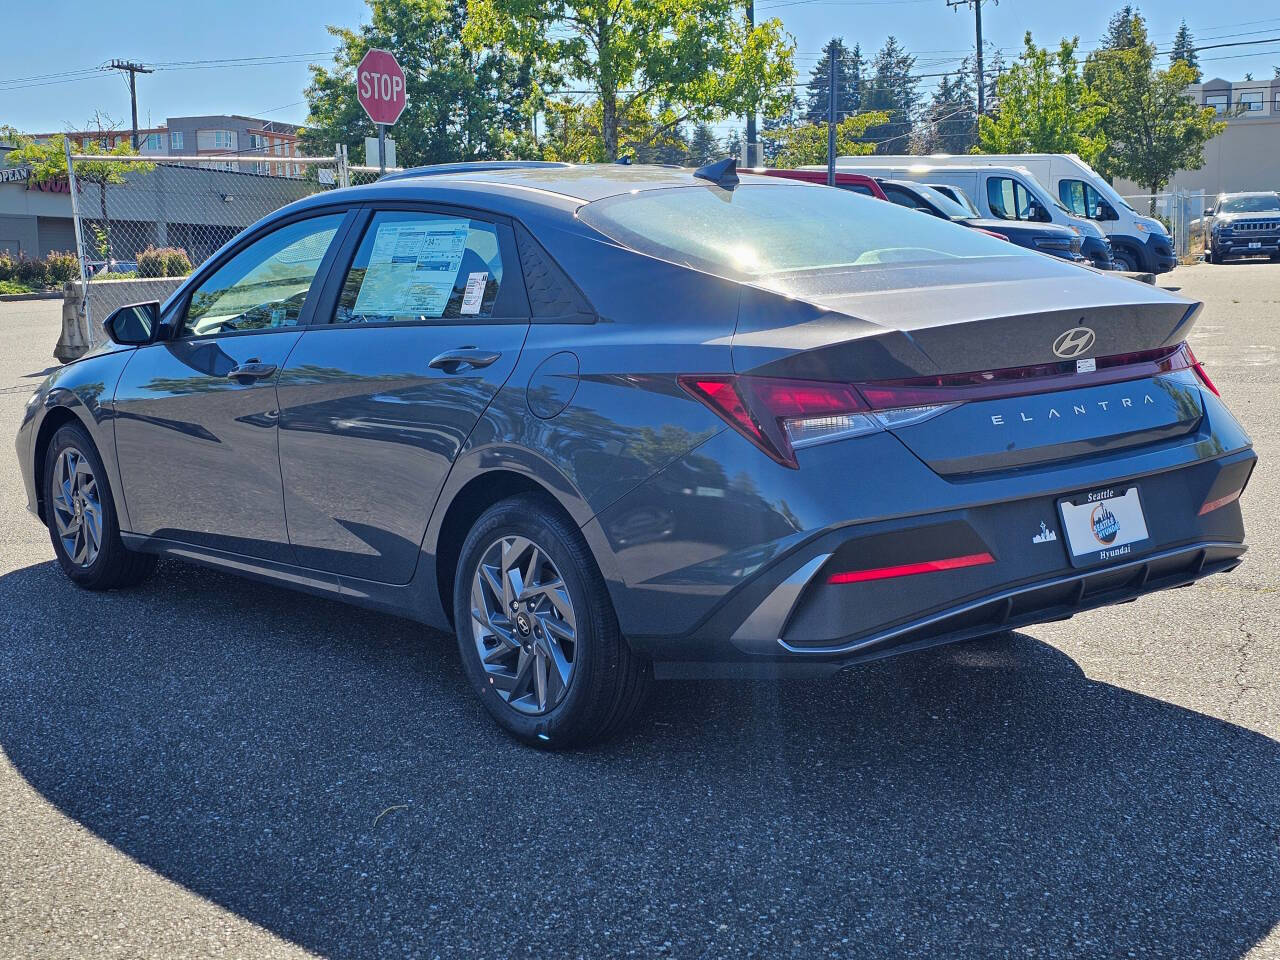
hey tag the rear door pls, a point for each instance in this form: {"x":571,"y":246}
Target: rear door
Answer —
{"x":195,"y":415}
{"x":423,"y":328}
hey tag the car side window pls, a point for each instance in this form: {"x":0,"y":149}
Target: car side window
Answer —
{"x":1073,"y":197}
{"x":266,"y":284}
{"x":1009,"y":199}
{"x":900,"y":197}
{"x":861,"y":188}
{"x":417,"y":267}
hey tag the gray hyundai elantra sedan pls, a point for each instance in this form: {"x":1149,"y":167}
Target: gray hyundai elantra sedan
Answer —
{"x":611,"y":423}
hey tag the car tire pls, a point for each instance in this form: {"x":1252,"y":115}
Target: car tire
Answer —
{"x":523,"y":551}
{"x":81,"y":516}
{"x":1124,"y":261}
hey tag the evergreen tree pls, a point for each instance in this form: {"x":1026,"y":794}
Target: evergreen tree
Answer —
{"x":949,"y":123}
{"x":732,"y":146}
{"x":1184,"y":49}
{"x":1120,"y":33}
{"x":703,"y":147}
{"x":774,"y":124}
{"x":893,"y":88}
{"x":848,"y":83}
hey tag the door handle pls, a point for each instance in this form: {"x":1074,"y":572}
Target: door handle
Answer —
{"x":464,"y":358}
{"x":253,"y":370}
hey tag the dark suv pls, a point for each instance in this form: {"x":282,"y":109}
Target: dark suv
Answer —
{"x":1240,"y":225}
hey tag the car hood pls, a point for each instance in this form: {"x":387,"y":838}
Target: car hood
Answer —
{"x":1013,"y":228}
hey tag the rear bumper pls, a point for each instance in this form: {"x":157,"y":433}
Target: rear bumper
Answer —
{"x":787,"y":618}
{"x":1044,"y":601}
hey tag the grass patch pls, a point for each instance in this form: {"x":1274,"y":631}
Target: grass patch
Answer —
{"x":17,"y":286}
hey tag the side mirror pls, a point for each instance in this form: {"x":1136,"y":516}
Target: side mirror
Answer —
{"x":134,"y":325}
{"x":1107,"y":212}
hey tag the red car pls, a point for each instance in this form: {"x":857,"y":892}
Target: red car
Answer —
{"x":846,"y":181}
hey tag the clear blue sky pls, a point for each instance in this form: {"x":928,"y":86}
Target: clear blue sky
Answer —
{"x":81,"y":36}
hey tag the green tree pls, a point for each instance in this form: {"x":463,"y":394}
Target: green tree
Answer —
{"x":848,"y":83}
{"x":464,"y":102}
{"x":703,"y":146}
{"x":1152,"y":128}
{"x":48,"y":161}
{"x":1044,"y":106}
{"x":807,"y":142}
{"x":698,"y":56}
{"x":1120,"y":34}
{"x":1184,"y":50}
{"x":732,"y":146}
{"x":786,"y":116}
{"x":892,"y":87}
{"x":949,"y":123}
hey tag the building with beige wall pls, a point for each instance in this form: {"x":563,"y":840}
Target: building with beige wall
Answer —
{"x":1246,"y":155}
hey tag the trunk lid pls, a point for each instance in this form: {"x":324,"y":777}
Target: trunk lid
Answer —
{"x":920,"y":324}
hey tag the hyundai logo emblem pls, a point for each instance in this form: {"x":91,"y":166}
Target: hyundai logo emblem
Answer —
{"x":1071,"y":343}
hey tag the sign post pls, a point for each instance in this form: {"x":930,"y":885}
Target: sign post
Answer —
{"x":380,"y":88}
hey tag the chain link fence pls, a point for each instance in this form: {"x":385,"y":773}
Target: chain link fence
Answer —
{"x":150,"y":218}
{"x":1181,"y":212}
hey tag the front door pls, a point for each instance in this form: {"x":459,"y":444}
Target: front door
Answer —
{"x":196,"y":414}
{"x":375,"y":407}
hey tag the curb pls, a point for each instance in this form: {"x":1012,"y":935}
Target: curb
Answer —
{"x":19,"y":297}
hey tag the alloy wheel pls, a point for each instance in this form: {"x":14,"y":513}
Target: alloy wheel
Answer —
{"x":77,"y":507}
{"x":523,"y":624}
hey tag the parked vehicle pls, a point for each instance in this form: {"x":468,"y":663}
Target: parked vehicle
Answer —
{"x":1000,"y":193}
{"x":856,"y":182}
{"x":1042,"y":237}
{"x":609,"y":423}
{"x":1238,"y":225}
{"x":1138,"y":243}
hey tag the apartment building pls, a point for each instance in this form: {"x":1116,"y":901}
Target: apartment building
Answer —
{"x":207,"y":137}
{"x":1246,"y":155}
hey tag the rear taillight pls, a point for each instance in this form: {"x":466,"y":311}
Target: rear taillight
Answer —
{"x":780,"y":416}
{"x":1198,"y":367}
{"x":912,"y":569}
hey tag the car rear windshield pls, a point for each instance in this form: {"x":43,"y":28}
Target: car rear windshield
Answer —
{"x":1269,"y":204}
{"x":759,"y":229}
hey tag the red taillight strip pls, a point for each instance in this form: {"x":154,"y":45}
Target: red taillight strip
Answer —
{"x":1023,"y":381}
{"x":1212,"y":505}
{"x":911,"y":569}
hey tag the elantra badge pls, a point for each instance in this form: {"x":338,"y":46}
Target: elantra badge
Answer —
{"x":1071,"y":343}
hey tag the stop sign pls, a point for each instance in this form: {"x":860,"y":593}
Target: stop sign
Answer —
{"x":380,"y":86}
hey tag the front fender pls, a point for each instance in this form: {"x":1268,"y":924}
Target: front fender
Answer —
{"x":83,"y":393}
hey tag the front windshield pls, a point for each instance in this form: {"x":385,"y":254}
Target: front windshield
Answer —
{"x":759,"y":229}
{"x":949,"y":207}
{"x":1267,"y":203}
{"x":959,"y":196}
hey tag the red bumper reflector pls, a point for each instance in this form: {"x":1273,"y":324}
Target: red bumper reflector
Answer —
{"x":910,"y":569}
{"x":1212,"y":505}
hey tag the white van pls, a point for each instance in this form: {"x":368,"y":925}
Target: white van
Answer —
{"x":999,"y":193}
{"x":1137,"y":242}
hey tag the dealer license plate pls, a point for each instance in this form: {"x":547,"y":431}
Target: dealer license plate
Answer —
{"x":1103,"y":524}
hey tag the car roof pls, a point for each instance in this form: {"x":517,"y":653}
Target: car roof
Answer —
{"x":1249,"y":193}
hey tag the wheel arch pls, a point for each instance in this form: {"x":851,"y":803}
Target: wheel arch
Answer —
{"x":56,"y":418}
{"x":1130,"y":248}
{"x":479,"y":490}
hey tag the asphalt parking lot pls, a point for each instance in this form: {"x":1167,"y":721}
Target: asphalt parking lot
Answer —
{"x":206,"y":767}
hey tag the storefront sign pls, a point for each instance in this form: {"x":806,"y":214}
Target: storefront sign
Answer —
{"x":14,"y":174}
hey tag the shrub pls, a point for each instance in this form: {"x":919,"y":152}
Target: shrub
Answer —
{"x":7,"y":265}
{"x":151,"y":262}
{"x":176,"y":262}
{"x":28,"y":271}
{"x":61,"y":267}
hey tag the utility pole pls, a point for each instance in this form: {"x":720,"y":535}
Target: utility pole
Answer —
{"x":833,"y":69}
{"x":133,"y":69}
{"x":751,"y":113}
{"x":977,"y":24}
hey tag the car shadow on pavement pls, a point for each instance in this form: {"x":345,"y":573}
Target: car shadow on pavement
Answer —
{"x":326,"y":773}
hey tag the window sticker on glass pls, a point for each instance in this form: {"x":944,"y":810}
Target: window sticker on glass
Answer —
{"x":474,"y":294}
{"x":412,"y":268}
